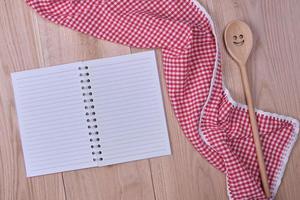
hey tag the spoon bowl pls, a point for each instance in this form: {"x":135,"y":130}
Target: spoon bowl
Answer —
{"x":238,"y":41}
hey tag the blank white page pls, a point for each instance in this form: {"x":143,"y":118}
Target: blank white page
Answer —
{"x":51,"y":117}
{"x":129,"y":108}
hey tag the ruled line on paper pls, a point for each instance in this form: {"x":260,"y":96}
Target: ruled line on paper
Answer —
{"x":58,"y":167}
{"x":128,"y":117}
{"x":40,"y":76}
{"x":132,"y":85}
{"x":62,"y":152}
{"x":118,"y":129}
{"x":60,"y":143}
{"x":59,"y":106}
{"x":54,"y":90}
{"x":133,"y":62}
{"x":48,"y":95}
{"x":49,"y":140}
{"x":134,"y":151}
{"x":41,"y":121}
{"x":42,"y":87}
{"x":132,"y":74}
{"x":66,"y":98}
{"x":135,"y":156}
{"x":49,"y":162}
{"x":124,"y":96}
{"x":132,"y":142}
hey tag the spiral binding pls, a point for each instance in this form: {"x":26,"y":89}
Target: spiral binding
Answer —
{"x":90,"y":114}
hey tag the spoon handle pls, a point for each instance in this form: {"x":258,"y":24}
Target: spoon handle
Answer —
{"x":259,"y":153}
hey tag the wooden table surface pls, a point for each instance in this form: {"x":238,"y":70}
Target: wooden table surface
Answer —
{"x":28,"y":41}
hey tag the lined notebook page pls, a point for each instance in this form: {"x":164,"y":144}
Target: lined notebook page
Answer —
{"x":51,"y":116}
{"x":129,"y":106}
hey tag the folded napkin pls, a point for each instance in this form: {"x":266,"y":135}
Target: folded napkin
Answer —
{"x":216,"y":125}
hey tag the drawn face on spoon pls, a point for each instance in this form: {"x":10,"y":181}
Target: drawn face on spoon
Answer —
{"x":238,"y":39}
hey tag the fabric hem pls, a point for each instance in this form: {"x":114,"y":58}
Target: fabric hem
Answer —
{"x":202,"y":9}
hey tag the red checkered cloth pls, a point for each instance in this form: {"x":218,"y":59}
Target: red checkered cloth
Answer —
{"x":215,"y":124}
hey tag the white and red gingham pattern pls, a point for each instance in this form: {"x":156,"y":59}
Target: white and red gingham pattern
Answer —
{"x":217,"y":126}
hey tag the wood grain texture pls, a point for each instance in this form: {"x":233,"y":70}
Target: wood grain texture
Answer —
{"x":28,"y":41}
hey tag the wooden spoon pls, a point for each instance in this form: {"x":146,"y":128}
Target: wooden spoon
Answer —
{"x":239,"y":41}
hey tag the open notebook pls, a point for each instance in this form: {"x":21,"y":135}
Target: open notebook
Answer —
{"x":91,"y":113}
